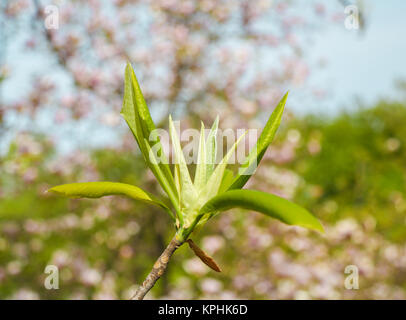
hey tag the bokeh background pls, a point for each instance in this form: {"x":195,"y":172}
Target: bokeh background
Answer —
{"x":340,"y":151}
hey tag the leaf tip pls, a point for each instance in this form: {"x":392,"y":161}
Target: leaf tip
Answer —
{"x":128,"y":67}
{"x":283,"y":100}
{"x":321,"y":229}
{"x":315,"y":226}
{"x":216,"y":121}
{"x":56,"y":190}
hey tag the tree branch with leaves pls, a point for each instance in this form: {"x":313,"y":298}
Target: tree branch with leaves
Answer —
{"x":213,"y":190}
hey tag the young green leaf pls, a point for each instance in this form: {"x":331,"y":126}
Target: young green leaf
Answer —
{"x":265,"y":139}
{"x":178,"y":188}
{"x":268,"y":204}
{"x":213,"y":185}
{"x":211,"y":149}
{"x":156,"y":169}
{"x":200,"y":174}
{"x":102,"y":188}
{"x":138,"y":118}
{"x":227,"y":180}
{"x":187,"y":189}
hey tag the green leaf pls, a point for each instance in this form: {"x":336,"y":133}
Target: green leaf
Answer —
{"x":188,"y":193}
{"x":213,"y":185}
{"x":265,"y":139}
{"x":225,"y":184}
{"x":200,"y":174}
{"x":227,"y":180}
{"x":211,"y":149}
{"x":131,"y":110}
{"x":268,"y":204}
{"x":138,"y":118}
{"x":101,"y":188}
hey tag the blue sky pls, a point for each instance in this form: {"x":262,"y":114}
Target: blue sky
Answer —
{"x":364,"y":66}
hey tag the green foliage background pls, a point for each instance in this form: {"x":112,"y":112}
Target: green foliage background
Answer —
{"x":348,"y":170}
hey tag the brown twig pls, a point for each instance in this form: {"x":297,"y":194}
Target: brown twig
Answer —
{"x":158,"y":270}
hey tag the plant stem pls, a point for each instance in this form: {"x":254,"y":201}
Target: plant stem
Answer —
{"x":158,"y":269}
